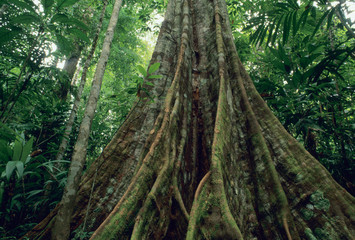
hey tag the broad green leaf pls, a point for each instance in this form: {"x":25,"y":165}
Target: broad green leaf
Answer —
{"x":26,"y":150}
{"x":154,"y":68}
{"x":78,"y":23}
{"x":155,"y":76}
{"x":64,"y":45}
{"x":66,"y":3}
{"x":47,"y":4}
{"x":20,"y":169}
{"x":17,"y":151}
{"x":26,"y":18}
{"x":10,"y":167}
{"x":62,"y":18}
{"x":142,"y":70}
{"x":79,"y":34}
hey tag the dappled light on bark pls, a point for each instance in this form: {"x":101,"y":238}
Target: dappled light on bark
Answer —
{"x":207,"y":159}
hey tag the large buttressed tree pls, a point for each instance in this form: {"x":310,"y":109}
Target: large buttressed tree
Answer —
{"x":206,"y":159}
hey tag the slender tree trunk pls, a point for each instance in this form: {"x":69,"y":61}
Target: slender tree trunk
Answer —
{"x":3,"y":10}
{"x":70,"y":67}
{"x":70,"y":123}
{"x":61,"y":228}
{"x":207,"y":159}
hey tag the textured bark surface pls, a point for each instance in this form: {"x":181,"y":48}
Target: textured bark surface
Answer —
{"x":207,"y":159}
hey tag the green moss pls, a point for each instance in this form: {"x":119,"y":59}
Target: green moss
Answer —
{"x":309,"y":234}
{"x":319,"y":201}
{"x":307,"y":214}
{"x":109,"y":190}
{"x":299,"y":177}
{"x":322,"y":234}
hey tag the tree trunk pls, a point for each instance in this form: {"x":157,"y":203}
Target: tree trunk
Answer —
{"x":61,"y":228}
{"x":207,"y":159}
{"x":71,"y":120}
{"x":70,"y":67}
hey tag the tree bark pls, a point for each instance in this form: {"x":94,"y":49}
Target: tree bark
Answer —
{"x":61,"y":228}
{"x":71,"y":120}
{"x":207,"y":159}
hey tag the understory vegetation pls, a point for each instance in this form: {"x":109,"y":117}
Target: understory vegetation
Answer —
{"x":299,"y":54}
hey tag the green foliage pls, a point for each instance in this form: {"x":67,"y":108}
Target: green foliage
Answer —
{"x":302,"y":64}
{"x":288,"y":18}
{"x":22,"y":193}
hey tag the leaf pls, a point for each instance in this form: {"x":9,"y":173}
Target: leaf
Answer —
{"x":63,"y":44}
{"x":79,"y":34}
{"x":26,"y":150}
{"x":47,"y":4}
{"x":155,"y":76}
{"x":287,"y":27}
{"x":314,"y":12}
{"x":272,"y":26}
{"x":303,"y":19}
{"x":10,"y":166}
{"x":62,"y":18}
{"x":26,"y":18}
{"x":262,"y":35}
{"x":6,"y":35}
{"x":294,"y":23}
{"x":142,"y":70}
{"x":320,"y":23}
{"x":17,"y":151}
{"x":78,"y":23}
{"x":66,"y":3}
{"x":255,"y":36}
{"x":20,"y":169}
{"x":131,"y":90}
{"x":330,"y":17}
{"x":149,"y":84}
{"x":153,"y":68}
{"x":23,"y":5}
{"x":276,"y":30}
{"x":34,"y":192}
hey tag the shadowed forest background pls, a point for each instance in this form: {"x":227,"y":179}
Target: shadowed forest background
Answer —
{"x":299,"y":54}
